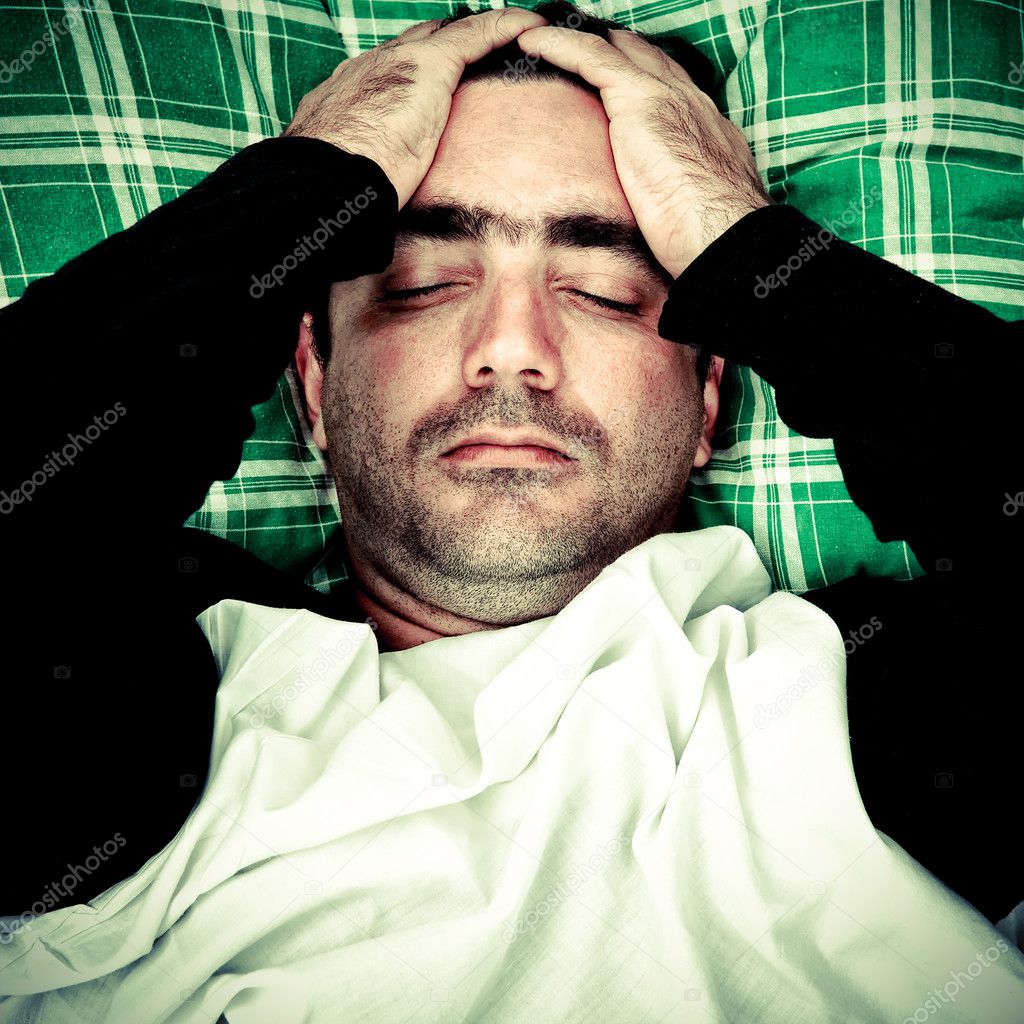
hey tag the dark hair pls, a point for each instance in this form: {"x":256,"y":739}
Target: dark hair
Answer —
{"x":508,"y":64}
{"x":501,"y":63}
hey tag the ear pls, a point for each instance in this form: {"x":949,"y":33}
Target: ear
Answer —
{"x":312,"y":378}
{"x":712,"y":388}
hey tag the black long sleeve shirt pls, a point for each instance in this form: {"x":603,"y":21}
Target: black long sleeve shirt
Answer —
{"x":101,"y":614}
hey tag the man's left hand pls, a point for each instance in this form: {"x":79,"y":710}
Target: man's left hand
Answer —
{"x":686,"y":171}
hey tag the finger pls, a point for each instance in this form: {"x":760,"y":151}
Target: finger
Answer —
{"x":421,"y":30}
{"x":594,"y":59}
{"x":658,"y":63}
{"x":472,"y":38}
{"x":646,"y":55}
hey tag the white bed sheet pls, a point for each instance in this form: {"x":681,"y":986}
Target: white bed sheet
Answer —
{"x":585,"y":818}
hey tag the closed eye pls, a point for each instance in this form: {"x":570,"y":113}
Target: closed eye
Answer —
{"x":412,"y":293}
{"x":619,"y":307}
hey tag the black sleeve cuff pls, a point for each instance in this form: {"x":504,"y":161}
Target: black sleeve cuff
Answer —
{"x":869,"y":355}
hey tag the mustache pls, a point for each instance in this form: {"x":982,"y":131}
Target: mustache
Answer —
{"x":442,"y":428}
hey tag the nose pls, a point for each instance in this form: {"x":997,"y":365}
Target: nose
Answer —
{"x":515,"y":342}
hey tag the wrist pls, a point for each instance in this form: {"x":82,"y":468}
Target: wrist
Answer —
{"x":714,"y":221}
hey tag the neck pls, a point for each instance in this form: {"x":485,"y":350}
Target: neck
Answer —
{"x":403,"y":620}
{"x":394,"y":631}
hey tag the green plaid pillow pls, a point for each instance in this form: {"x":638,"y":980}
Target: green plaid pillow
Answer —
{"x":900,"y":132}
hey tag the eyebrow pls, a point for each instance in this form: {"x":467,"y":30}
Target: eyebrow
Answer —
{"x":579,"y":229}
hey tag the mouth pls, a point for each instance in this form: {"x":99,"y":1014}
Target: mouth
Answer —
{"x":495,"y":443}
{"x":484,"y":454}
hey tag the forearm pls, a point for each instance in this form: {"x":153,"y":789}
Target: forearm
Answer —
{"x":178,"y":319}
{"x":884,"y":363}
{"x":916,"y":388}
{"x":118,"y":431}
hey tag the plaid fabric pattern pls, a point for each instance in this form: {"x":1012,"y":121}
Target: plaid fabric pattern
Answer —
{"x":898,"y":125}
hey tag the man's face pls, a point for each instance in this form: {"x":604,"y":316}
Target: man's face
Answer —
{"x":510,"y":345}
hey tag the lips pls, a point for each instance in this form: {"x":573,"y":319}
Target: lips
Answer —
{"x":508,"y":456}
{"x":511,"y":439}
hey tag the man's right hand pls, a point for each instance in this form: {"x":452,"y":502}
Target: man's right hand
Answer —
{"x":391,"y":103}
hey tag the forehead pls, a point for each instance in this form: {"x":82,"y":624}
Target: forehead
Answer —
{"x":525,"y":162}
{"x":515,"y":140}
{"x":491,"y":109}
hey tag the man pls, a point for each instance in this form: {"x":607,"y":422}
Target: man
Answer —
{"x":448,"y":537}
{"x":434,"y":407}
